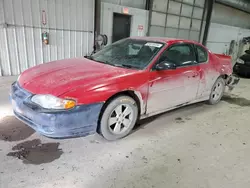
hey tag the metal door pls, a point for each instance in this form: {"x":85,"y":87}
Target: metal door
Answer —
{"x":121,"y":26}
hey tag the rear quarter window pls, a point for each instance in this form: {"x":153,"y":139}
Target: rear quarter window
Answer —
{"x":202,"y":54}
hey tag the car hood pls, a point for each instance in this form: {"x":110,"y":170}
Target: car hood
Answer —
{"x":61,"y":76}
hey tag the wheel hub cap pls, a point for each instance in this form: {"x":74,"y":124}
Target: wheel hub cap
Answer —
{"x":120,"y":119}
{"x":217,"y":92}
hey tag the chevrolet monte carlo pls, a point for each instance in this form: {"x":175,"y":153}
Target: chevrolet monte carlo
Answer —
{"x":108,"y":92}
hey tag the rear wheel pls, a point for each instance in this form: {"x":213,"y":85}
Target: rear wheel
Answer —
{"x":217,"y":91}
{"x":118,"y":118}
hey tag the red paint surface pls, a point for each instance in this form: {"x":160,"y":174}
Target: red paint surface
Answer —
{"x":90,"y":82}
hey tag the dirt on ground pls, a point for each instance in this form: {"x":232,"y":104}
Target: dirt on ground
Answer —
{"x":11,"y":129}
{"x":34,"y":152}
{"x":199,"y":146}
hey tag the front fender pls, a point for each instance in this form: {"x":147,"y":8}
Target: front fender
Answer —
{"x":103,"y":94}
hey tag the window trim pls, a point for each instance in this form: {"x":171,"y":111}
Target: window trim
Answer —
{"x":196,"y":51}
{"x":178,"y":44}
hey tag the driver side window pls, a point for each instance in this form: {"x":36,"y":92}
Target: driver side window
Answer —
{"x":180,"y":55}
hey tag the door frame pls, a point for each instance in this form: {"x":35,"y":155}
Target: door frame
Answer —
{"x":130,"y":20}
{"x":153,"y":71}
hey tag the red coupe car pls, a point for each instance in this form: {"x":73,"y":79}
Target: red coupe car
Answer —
{"x":111,"y":90}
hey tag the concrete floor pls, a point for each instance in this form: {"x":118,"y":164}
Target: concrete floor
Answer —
{"x":198,"y":146}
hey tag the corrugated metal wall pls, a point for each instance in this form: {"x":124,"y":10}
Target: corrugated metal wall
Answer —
{"x":70,"y":24}
{"x":177,"y":18}
{"x":226,"y":15}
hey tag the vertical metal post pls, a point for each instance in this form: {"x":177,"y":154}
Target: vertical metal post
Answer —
{"x":149,"y":6}
{"x":202,"y":19}
{"x":208,"y":20}
{"x":97,"y":25}
{"x":166,"y":21}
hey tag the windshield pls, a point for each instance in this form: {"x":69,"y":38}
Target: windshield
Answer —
{"x":128,"y":53}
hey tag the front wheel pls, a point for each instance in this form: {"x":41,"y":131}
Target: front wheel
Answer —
{"x":217,"y":91}
{"x":118,"y":118}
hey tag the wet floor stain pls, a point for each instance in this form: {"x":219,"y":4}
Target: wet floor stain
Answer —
{"x":35,"y":152}
{"x":233,"y":99}
{"x":11,"y":129}
{"x":179,"y":120}
{"x":188,"y":118}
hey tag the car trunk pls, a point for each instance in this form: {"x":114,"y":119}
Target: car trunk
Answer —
{"x":224,"y":59}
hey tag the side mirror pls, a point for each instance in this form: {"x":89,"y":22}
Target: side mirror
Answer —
{"x":165,"y":65}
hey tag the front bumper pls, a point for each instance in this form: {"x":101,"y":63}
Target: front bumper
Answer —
{"x":80,"y":121}
{"x":232,"y":81}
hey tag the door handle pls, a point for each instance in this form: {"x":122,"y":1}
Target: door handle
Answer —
{"x":195,"y":75}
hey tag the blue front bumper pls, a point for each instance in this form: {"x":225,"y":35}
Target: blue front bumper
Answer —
{"x":80,"y":121}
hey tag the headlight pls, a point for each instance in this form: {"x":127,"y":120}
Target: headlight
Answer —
{"x":240,"y":61}
{"x":52,"y":102}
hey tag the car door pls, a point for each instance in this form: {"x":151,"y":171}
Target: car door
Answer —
{"x":173,"y":87}
{"x":207,"y":75}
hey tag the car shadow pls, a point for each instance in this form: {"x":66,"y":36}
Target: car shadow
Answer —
{"x":141,"y":124}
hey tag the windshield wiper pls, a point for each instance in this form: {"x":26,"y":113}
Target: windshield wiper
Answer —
{"x":103,"y":62}
{"x":115,"y":65}
{"x":126,"y":66}
{"x":91,"y":58}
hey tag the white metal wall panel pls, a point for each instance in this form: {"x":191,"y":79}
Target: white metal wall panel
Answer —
{"x":3,"y":52}
{"x":220,"y":36}
{"x":1,"y":14}
{"x":188,"y":1}
{"x":139,"y":17}
{"x":70,"y":24}
{"x":141,"y":4}
{"x":160,"y":5}
{"x":196,"y":24}
{"x":158,"y":18}
{"x":194,"y":35}
{"x":178,"y":18}
{"x":173,"y":21}
{"x":171,"y":32}
{"x":186,"y":10}
{"x":197,"y":12}
{"x":185,"y":23}
{"x":174,"y":7}
{"x":157,"y":30}
{"x":227,"y":24}
{"x":230,"y":16}
{"x":200,"y":3}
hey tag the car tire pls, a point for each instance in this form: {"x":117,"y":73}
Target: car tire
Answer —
{"x":217,"y":91}
{"x":119,"y":118}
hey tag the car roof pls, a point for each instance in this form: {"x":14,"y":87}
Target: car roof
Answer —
{"x":164,"y":39}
